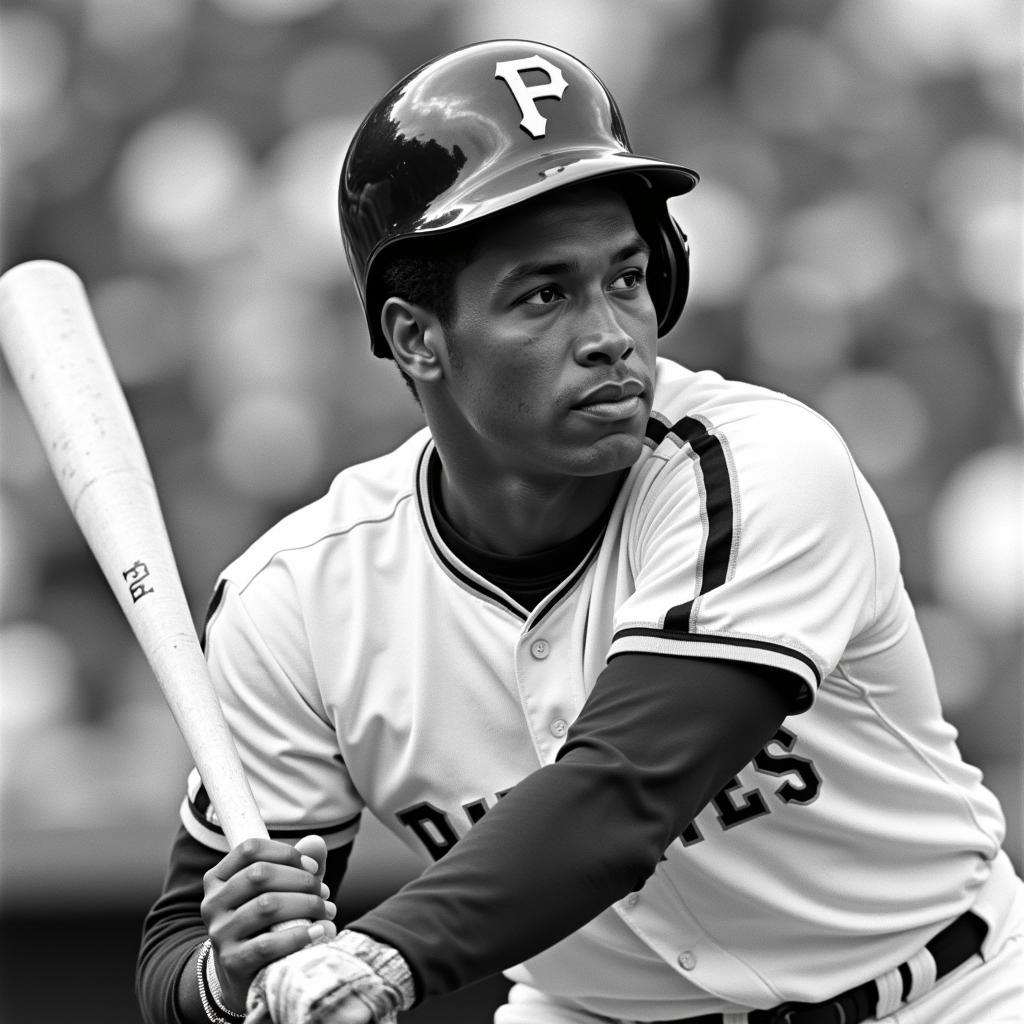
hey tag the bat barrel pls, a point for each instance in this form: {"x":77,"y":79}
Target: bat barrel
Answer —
{"x":63,"y":372}
{"x":65,"y":377}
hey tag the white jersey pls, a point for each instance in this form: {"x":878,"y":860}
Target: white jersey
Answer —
{"x":362,"y":665}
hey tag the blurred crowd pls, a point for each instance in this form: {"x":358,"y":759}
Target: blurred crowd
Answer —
{"x":856,"y":243}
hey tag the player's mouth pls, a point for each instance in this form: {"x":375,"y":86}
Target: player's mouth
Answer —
{"x":616,"y":401}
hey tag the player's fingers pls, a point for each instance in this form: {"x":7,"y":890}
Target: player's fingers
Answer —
{"x":268,"y":908}
{"x":323,"y":931}
{"x":316,"y":848}
{"x":251,"y":851}
{"x":245,"y":941}
{"x":262,"y":894}
{"x":247,"y":957}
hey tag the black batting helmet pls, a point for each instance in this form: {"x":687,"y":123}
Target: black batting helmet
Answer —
{"x":482,"y":129}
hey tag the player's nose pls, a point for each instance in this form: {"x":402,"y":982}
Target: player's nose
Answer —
{"x":601,"y":336}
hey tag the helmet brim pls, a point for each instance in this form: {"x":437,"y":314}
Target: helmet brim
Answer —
{"x":493,"y":193}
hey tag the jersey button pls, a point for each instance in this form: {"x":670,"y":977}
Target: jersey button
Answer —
{"x":687,"y":960}
{"x":559,"y":727}
{"x":632,"y":899}
{"x":540,"y":649}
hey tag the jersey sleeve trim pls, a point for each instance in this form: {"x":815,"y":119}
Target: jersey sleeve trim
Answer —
{"x":720,"y":510}
{"x":216,"y":600}
{"x":675,"y":643}
{"x":719,"y":507}
{"x":200,"y":819}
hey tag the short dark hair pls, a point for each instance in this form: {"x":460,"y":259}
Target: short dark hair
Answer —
{"x":422,"y":271}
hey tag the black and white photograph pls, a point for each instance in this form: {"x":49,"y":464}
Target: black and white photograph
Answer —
{"x":512,"y":512}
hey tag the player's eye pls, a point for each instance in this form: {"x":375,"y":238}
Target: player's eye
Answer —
{"x":628,"y":280}
{"x":543,"y":296}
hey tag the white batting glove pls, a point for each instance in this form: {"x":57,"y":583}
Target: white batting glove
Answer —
{"x":311,"y":986}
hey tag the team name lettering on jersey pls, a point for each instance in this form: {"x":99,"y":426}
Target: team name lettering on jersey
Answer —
{"x":734,"y":809}
{"x":433,"y":827}
{"x":511,"y":73}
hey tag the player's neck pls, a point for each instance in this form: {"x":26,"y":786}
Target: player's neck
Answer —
{"x":518,"y":516}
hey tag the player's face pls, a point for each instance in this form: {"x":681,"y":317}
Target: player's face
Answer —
{"x":553,"y":344}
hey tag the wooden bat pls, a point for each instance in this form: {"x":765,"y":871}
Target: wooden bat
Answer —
{"x":61,"y":367}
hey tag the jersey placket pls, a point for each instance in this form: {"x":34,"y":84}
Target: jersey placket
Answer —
{"x":548,"y":680}
{"x":659,"y":917}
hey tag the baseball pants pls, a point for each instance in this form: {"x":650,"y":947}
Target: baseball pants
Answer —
{"x":986,"y":989}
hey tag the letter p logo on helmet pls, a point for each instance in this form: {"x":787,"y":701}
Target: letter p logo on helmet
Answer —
{"x":511,"y":72}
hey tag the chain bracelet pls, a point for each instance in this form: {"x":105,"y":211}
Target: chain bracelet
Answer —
{"x":202,"y":983}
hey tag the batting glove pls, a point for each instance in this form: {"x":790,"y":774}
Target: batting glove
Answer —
{"x":308,"y":987}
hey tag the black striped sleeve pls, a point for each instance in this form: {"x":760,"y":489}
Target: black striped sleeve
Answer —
{"x":204,"y":825}
{"x":717,"y":554}
{"x":678,"y":633}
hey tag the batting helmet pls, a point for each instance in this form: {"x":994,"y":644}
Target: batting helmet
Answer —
{"x":480,"y":130}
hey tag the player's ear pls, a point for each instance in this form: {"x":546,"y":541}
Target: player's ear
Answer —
{"x":415,"y":337}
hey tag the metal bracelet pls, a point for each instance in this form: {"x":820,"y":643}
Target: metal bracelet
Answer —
{"x":216,"y":992}
{"x":211,"y":1015}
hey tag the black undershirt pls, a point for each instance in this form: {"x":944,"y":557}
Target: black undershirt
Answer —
{"x":528,"y":579}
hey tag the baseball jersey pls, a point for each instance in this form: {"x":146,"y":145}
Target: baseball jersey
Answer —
{"x":362,"y":665}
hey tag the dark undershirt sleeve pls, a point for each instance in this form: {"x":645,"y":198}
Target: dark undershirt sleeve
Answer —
{"x":173,"y":927}
{"x":656,"y":739}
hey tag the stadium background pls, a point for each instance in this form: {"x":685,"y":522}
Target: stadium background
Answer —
{"x":856,"y":242}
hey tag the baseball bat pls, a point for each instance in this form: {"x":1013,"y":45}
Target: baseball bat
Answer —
{"x":62,"y":370}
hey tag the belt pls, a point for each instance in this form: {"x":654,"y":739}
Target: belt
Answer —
{"x":954,"y":945}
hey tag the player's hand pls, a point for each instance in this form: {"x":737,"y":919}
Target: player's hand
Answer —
{"x":259,"y":884}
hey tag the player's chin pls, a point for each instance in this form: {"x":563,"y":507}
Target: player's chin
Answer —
{"x":609,"y":452}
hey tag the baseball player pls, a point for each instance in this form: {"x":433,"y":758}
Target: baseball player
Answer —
{"x":619,"y":648}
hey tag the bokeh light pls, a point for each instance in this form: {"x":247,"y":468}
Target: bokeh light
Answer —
{"x":183,"y":187}
{"x":798,"y":321}
{"x":978,"y":539}
{"x":142,"y":323}
{"x":38,"y":689}
{"x":267,"y":445}
{"x":34,"y":63}
{"x":859,"y":241}
{"x":257,"y":331}
{"x":332,"y":81}
{"x":976,"y":198}
{"x":394,"y":17}
{"x":791,"y":82}
{"x":19,"y":564}
{"x":880,"y":416}
{"x":725,"y":233}
{"x":272,"y":11}
{"x":298,"y":232}
{"x":990,"y":263}
{"x":920,"y":38}
{"x":122,"y":28}
{"x":963,"y":671}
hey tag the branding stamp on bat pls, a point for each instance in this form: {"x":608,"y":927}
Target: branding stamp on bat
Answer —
{"x":136,"y":576}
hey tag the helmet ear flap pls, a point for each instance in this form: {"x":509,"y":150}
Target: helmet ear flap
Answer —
{"x":671,"y":278}
{"x":668,"y":272}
